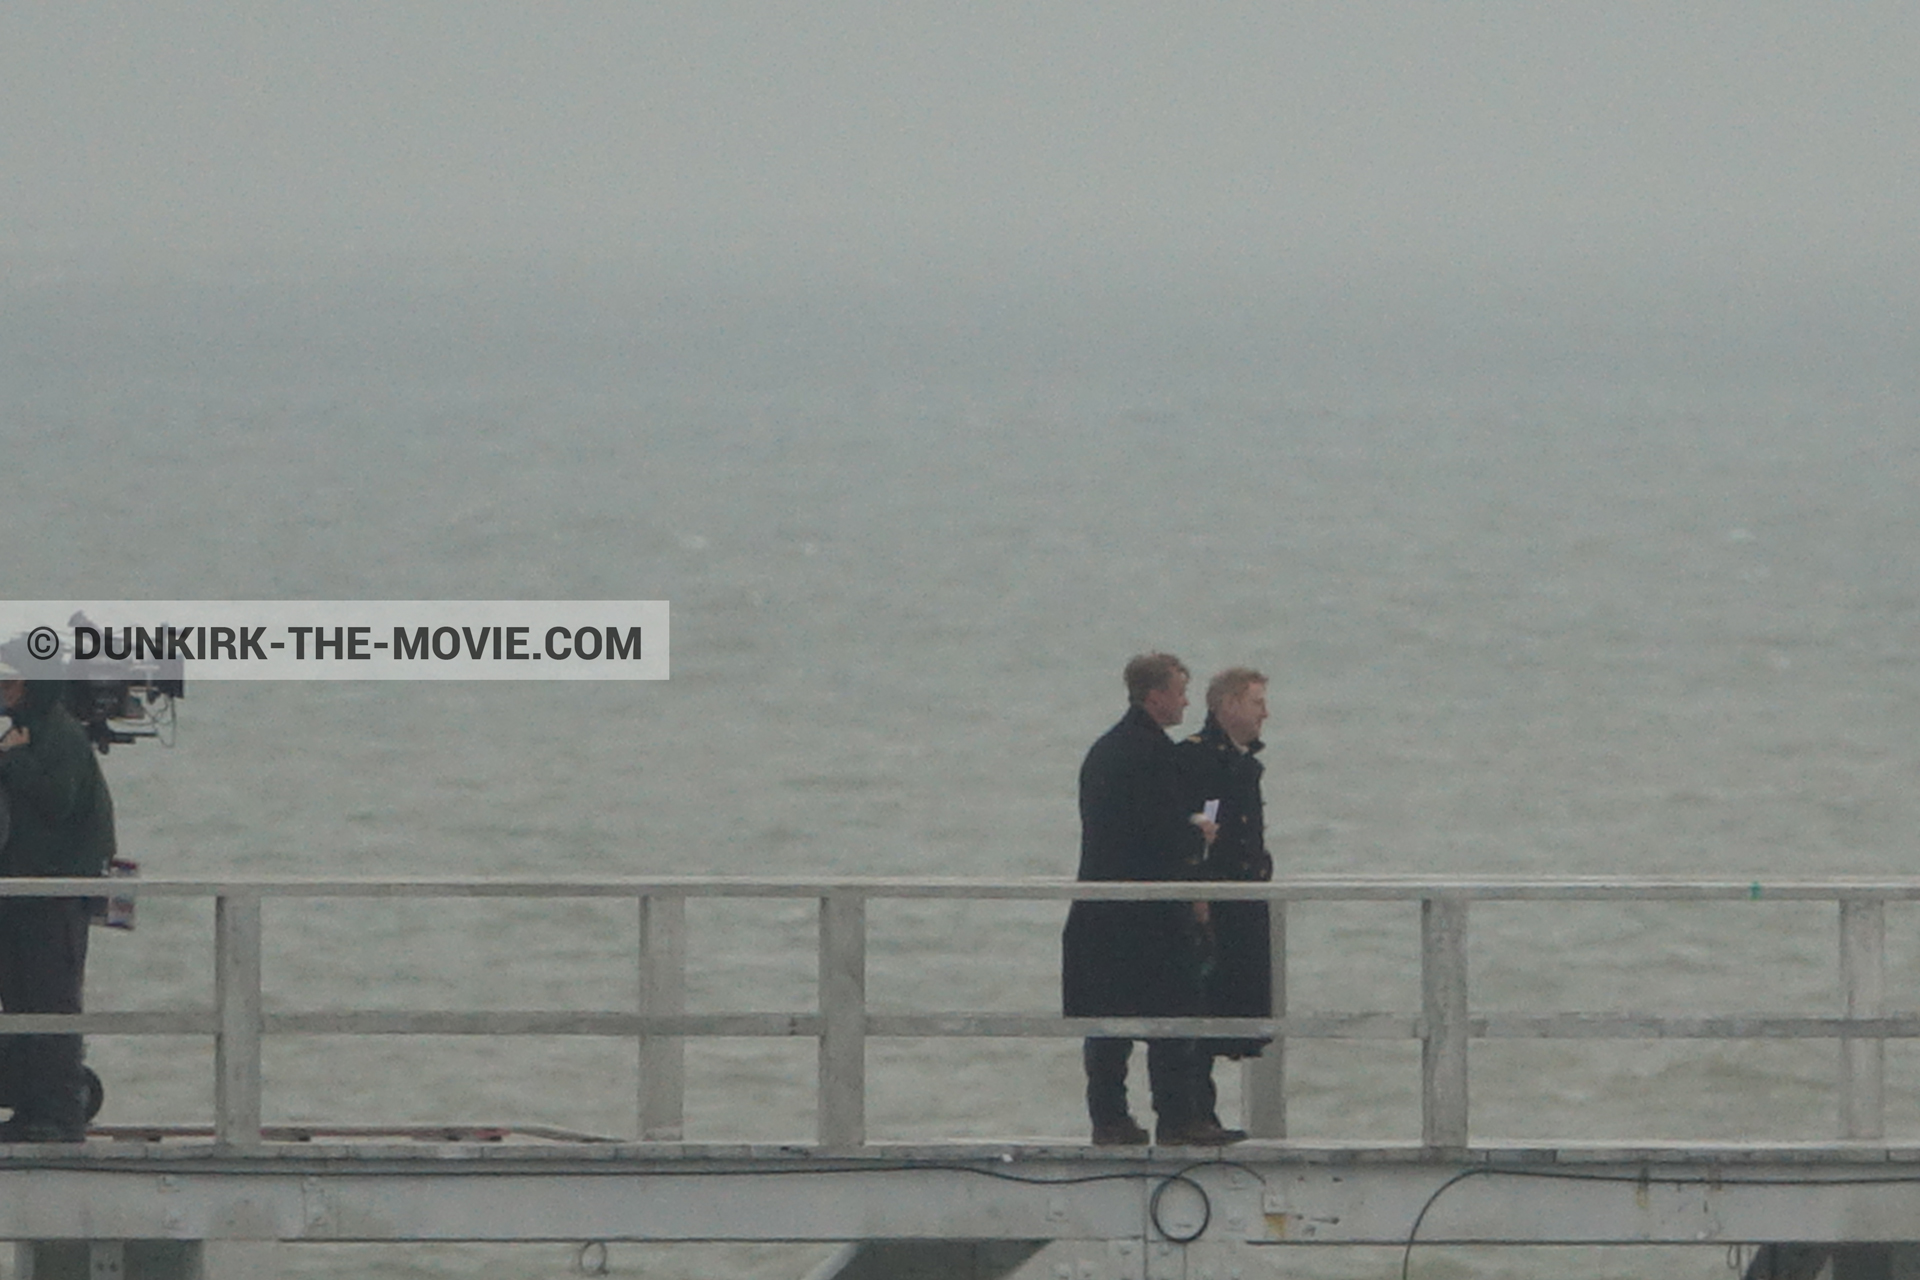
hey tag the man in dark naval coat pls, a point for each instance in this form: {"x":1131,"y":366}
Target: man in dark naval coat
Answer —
{"x":1222,"y":766}
{"x":62,"y":825}
{"x":1138,"y":959}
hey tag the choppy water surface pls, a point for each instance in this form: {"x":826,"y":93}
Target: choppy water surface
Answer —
{"x":1646,"y":622}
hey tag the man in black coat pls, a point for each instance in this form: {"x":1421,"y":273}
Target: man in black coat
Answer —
{"x":61,"y":825}
{"x":1138,"y":959}
{"x":1222,"y":766}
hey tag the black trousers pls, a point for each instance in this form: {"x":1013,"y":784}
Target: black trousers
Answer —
{"x":1170,"y":1078}
{"x":43,"y":964}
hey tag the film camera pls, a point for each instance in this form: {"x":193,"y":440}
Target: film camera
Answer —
{"x":120,"y":703}
{"x":118,"y":699}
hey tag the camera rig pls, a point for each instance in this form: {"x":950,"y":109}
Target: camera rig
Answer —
{"x":118,"y":701}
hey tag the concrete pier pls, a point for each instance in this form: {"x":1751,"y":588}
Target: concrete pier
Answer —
{"x":171,"y":1203}
{"x":160,"y":1203}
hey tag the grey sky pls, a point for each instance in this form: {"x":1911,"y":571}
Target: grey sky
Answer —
{"x":954,"y":133}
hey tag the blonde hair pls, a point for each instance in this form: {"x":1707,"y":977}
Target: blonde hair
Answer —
{"x":1230,"y":684}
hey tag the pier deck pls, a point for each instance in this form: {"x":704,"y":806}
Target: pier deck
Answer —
{"x":1139,"y":1212}
{"x":1258,"y":1194}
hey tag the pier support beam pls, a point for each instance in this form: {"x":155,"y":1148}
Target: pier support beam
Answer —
{"x":1264,"y":1081}
{"x":236,"y":1046}
{"x":843,"y":1015}
{"x":1443,"y":1019}
{"x":663,"y":992}
{"x":108,"y":1260}
{"x":1847,"y":1261}
{"x":1863,"y":978}
{"x":927,"y":1260}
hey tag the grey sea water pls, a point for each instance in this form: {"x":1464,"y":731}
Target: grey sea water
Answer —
{"x":1621,"y":590}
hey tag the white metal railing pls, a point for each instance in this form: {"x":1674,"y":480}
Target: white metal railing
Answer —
{"x":842,"y":1023}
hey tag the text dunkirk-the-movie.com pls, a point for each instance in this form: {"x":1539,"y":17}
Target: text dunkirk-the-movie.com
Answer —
{"x":338,"y":639}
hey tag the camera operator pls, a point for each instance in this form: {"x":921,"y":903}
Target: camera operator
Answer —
{"x":61,"y":825}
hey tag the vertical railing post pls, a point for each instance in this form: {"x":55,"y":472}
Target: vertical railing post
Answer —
{"x":1265,"y":1079}
{"x":1863,"y":979}
{"x":663,"y":993}
{"x":843,"y":1020}
{"x":1443,"y":1028}
{"x":236,"y":1049}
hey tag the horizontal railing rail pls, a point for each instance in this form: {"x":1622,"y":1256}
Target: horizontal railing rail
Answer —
{"x":842,"y":1023}
{"x":1346,"y":888}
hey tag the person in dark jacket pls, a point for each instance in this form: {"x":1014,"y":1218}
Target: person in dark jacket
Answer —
{"x":61,"y":825}
{"x":1222,"y":766}
{"x":1138,"y":959}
